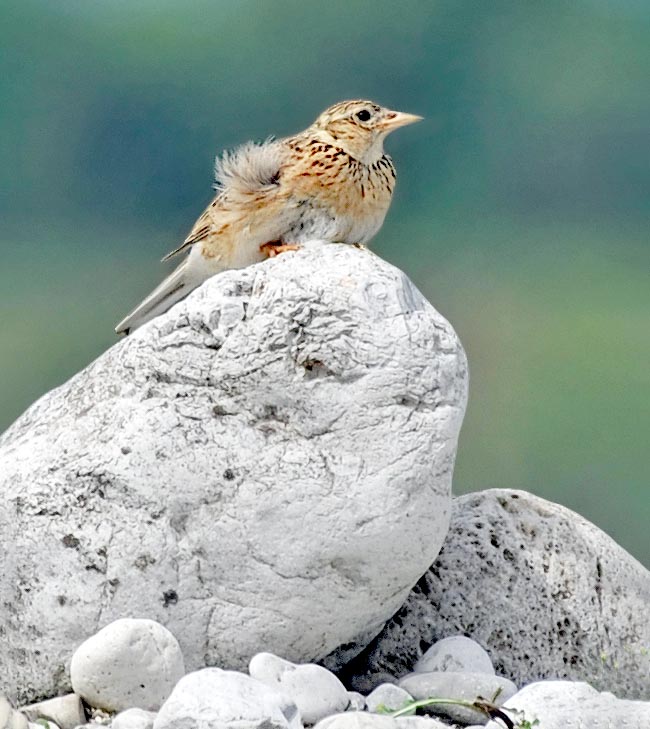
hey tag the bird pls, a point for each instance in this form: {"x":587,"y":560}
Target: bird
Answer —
{"x":333,"y":182}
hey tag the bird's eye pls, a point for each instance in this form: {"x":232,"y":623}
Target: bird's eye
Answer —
{"x":363,"y":115}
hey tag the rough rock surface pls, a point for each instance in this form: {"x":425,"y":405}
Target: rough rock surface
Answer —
{"x":276,"y":451}
{"x":564,"y":704}
{"x":213,"y":699}
{"x":543,"y":590}
{"x":129,"y":663}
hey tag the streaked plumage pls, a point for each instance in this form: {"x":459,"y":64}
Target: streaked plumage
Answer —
{"x":333,"y":182}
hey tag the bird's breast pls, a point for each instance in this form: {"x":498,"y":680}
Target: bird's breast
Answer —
{"x":337,"y":197}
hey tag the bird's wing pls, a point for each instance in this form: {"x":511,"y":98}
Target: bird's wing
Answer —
{"x":250,"y":172}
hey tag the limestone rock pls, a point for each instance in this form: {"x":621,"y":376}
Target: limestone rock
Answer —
{"x":9,"y":718}
{"x":387,"y":698}
{"x":133,"y":719}
{"x":213,"y":699}
{"x":67,"y":712}
{"x":129,"y":663}
{"x":458,"y":686}
{"x":563,"y":704}
{"x":276,"y":451}
{"x":357,"y":701}
{"x":316,"y":691}
{"x":456,"y":653}
{"x":364,"y":720}
{"x":542,"y":589}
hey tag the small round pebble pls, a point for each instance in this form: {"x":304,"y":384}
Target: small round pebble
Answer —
{"x":357,"y":701}
{"x":134,"y":719}
{"x":388,"y":697}
{"x":456,"y":653}
{"x":316,"y":691}
{"x":130,"y":663}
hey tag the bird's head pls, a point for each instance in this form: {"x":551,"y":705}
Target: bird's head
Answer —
{"x":360,"y":127}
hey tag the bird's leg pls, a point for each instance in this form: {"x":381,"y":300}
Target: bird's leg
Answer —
{"x":360,"y":246}
{"x":274,"y":247}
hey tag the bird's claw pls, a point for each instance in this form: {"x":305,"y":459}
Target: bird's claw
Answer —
{"x":271,"y":250}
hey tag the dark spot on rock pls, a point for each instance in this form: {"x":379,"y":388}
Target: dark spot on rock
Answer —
{"x":143,"y":561}
{"x":170,"y":597}
{"x":217,"y":411}
{"x":494,"y":541}
{"x":70,"y":541}
{"x":229,"y":475}
{"x":508,"y":555}
{"x":125,"y":450}
{"x":61,"y":599}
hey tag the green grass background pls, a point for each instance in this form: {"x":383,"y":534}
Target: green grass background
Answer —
{"x":522,"y":210}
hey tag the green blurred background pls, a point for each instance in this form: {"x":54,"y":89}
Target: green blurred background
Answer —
{"x":522,"y":209}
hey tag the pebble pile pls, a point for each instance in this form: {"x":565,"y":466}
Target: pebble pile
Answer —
{"x":130,"y":675}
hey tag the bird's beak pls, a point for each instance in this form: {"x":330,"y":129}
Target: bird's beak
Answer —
{"x":394,"y":119}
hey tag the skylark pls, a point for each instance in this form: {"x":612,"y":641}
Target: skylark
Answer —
{"x":332,"y":182}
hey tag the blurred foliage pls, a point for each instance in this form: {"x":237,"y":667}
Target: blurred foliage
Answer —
{"x":522,"y":208}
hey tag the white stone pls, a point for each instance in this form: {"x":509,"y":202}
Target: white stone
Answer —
{"x":275,"y":452}
{"x":568,"y":705}
{"x":9,"y":718}
{"x":386,"y":698}
{"x":217,"y":699}
{"x":458,"y":686}
{"x":364,"y":720}
{"x":134,"y":719}
{"x":456,"y":653}
{"x":545,"y":592}
{"x":357,"y":701}
{"x":65,"y":711}
{"x":130,"y":663}
{"x":316,"y":691}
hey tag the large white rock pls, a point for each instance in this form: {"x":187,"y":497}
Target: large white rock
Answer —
{"x":265,"y":467}
{"x":216,"y":699}
{"x":546,"y":592}
{"x":564,"y":704}
{"x":129,"y":663}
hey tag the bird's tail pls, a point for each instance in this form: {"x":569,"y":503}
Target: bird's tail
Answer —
{"x":174,"y":288}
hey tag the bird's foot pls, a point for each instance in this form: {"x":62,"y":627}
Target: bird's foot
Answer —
{"x":360,"y":246}
{"x":271,"y":250}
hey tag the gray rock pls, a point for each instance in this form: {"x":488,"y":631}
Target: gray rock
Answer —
{"x":456,"y":653}
{"x":564,"y":704}
{"x":386,"y":698}
{"x":129,"y":663}
{"x":357,"y":701}
{"x":276,"y":451}
{"x":316,"y":691}
{"x":544,"y":591}
{"x":363,"y":720}
{"x":9,"y":718}
{"x":65,"y":711}
{"x":458,"y":686}
{"x":216,"y":699}
{"x":134,"y":719}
